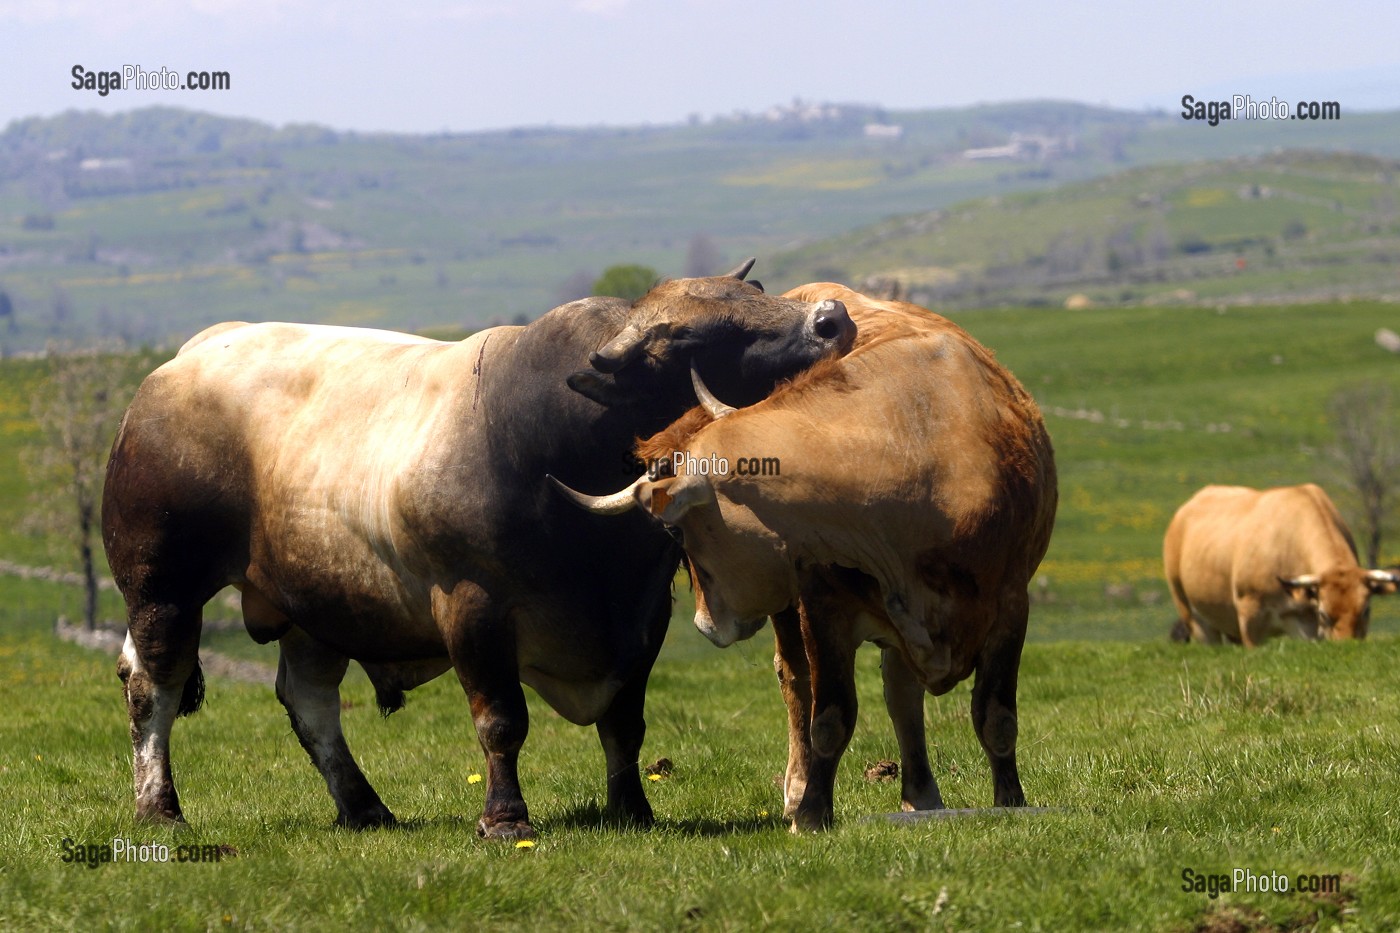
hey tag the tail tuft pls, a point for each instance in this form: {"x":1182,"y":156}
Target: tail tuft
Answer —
{"x":193,"y":696}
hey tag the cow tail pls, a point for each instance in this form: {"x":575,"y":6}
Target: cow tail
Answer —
{"x":192,"y":698}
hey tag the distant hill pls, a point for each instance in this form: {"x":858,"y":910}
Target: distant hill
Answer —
{"x":1290,"y":226}
{"x":155,"y":223}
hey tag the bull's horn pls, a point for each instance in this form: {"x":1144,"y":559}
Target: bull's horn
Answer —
{"x":714,"y":406}
{"x":1307,"y":579}
{"x":742,"y":269}
{"x":614,"y":504}
{"x":619,"y":351}
{"x":1383,"y":575}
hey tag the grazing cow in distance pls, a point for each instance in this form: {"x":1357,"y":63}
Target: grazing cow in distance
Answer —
{"x":1245,"y":564}
{"x":915,"y":498}
{"x":376,"y":497}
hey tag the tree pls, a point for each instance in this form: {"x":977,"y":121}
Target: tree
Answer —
{"x":1366,"y":452}
{"x":77,"y":410}
{"x":630,"y":282}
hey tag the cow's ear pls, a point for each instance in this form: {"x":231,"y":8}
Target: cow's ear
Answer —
{"x":671,"y":498}
{"x":596,"y":386}
{"x":756,"y":284}
{"x":1301,"y":589}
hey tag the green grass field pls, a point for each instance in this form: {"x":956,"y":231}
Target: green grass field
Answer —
{"x":1155,"y":757}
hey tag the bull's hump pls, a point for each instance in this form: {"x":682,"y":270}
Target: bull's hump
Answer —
{"x":234,"y":333}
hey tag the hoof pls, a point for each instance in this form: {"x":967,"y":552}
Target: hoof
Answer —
{"x":809,"y":821}
{"x":160,"y":816}
{"x":634,"y":819}
{"x":370,"y":819}
{"x":507,"y":830}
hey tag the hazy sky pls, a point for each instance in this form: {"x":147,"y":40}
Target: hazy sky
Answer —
{"x":481,"y":64}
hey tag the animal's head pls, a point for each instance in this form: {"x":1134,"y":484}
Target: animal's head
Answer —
{"x":737,"y":564}
{"x":743,"y":339}
{"x":1336,"y":604}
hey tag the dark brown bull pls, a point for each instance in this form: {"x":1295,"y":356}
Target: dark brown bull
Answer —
{"x":375,"y":497}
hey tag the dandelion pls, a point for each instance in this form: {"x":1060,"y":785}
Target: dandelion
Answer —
{"x":473,"y":779}
{"x":654,"y":777}
{"x":763,"y":814}
{"x":525,"y":844}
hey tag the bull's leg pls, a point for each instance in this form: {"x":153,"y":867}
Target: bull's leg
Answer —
{"x":308,"y":684}
{"x":904,"y":700}
{"x":831,"y":654}
{"x":795,"y":681}
{"x":1204,"y":634}
{"x":994,"y":699}
{"x":621,"y":730}
{"x":1253,"y":621}
{"x":161,"y":679}
{"x":481,"y":645}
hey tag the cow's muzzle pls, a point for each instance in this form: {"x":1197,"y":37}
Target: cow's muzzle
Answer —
{"x":832,"y":323}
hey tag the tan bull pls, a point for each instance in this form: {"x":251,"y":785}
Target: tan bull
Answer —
{"x":914,"y":500}
{"x":1245,"y":565}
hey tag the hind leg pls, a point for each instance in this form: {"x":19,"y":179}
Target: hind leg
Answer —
{"x":994,"y":699}
{"x":308,"y":684}
{"x":161,"y":679}
{"x":904,"y":701}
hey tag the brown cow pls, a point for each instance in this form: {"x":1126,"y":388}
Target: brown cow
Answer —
{"x":1245,"y":565}
{"x":915,"y":499}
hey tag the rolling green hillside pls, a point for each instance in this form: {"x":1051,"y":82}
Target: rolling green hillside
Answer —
{"x":1280,"y":227}
{"x":153,"y":224}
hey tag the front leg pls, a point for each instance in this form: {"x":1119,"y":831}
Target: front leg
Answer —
{"x":481,"y":643}
{"x":795,"y":681}
{"x":621,"y":730}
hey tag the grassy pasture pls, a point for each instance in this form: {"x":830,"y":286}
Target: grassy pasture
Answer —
{"x":1161,"y":757}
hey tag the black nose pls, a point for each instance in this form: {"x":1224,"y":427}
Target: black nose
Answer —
{"x":832,"y":320}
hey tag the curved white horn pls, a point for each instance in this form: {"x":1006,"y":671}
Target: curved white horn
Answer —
{"x":714,"y":406}
{"x":614,"y":504}
{"x":621,"y":350}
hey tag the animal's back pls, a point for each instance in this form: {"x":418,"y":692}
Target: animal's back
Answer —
{"x":264,"y":441}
